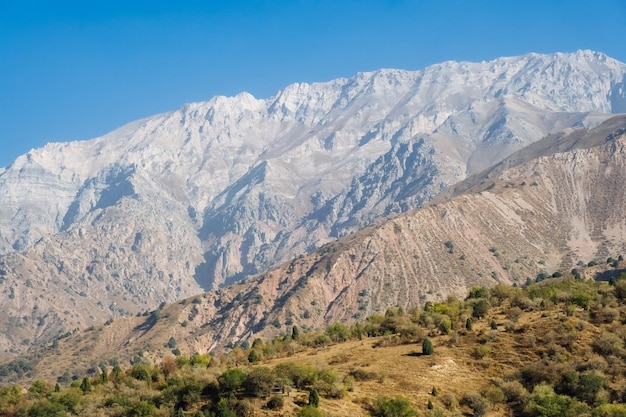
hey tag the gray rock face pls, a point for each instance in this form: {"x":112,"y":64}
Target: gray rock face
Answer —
{"x":215,"y":191}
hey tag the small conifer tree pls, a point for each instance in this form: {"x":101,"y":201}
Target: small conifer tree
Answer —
{"x":85,"y":386}
{"x":468,"y":324}
{"x":314,"y":398}
{"x":427,"y":347}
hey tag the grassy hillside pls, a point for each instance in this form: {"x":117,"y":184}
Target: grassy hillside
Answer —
{"x":556,"y":347}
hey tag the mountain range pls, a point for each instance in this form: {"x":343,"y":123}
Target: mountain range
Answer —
{"x":214,"y":192}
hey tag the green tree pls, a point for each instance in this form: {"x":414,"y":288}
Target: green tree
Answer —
{"x":314,"y":398}
{"x":141,"y":372}
{"x":116,"y":373}
{"x":260,"y":381}
{"x":427,"y":347}
{"x":254,"y":356}
{"x":480,"y":308}
{"x":546,"y":403}
{"x":232,"y":380}
{"x":70,"y":398}
{"x":10,"y":396}
{"x":142,"y":409}
{"x":338,"y":332}
{"x":104,"y":375}
{"x":295,"y":333}
{"x":589,"y":385}
{"x":85,"y":386}
{"x":223,"y":408}
{"x":468,"y":324}
{"x":39,"y":389}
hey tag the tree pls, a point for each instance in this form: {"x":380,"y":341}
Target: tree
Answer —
{"x":295,"y":333}
{"x":480,"y":309}
{"x":314,"y":398}
{"x":39,"y":389}
{"x":427,"y":347}
{"x":232,"y":380}
{"x":338,"y":332}
{"x":468,"y":324}
{"x":117,"y":372}
{"x":254,"y":356}
{"x":85,"y":386}
{"x":46,"y":408}
{"x":104,"y":375}
{"x":260,"y":381}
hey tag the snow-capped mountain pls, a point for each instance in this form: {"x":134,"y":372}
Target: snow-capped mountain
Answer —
{"x":215,"y":191}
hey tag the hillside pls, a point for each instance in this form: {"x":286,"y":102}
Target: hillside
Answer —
{"x":513,"y":225}
{"x":536,"y":218}
{"x":214,"y":192}
{"x":556,"y":345}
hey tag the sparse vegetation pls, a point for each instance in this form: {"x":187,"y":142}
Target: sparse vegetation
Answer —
{"x":563,"y":340}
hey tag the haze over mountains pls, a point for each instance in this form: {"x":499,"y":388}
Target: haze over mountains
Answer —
{"x":182,"y":202}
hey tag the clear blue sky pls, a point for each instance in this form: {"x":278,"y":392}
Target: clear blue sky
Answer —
{"x":78,"y":69}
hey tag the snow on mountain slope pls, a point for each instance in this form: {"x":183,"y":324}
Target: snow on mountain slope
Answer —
{"x":253,"y":182}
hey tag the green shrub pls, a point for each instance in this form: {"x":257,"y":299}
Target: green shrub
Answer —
{"x":393,"y":407}
{"x":481,"y":351}
{"x":477,"y":403}
{"x":494,"y":394}
{"x":610,"y":410}
{"x":309,"y":411}
{"x":608,"y":344}
{"x":361,"y":374}
{"x":46,"y":408}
